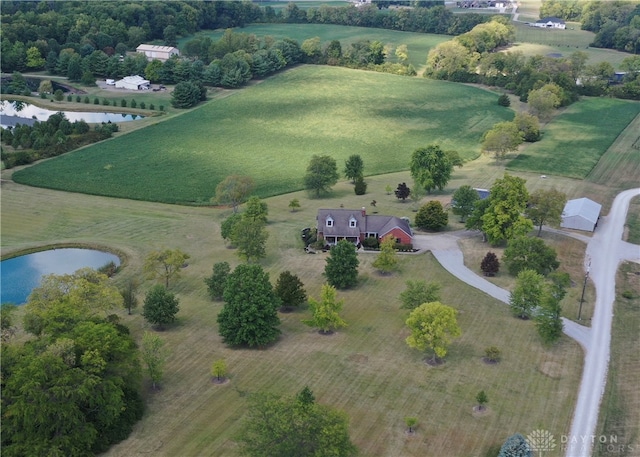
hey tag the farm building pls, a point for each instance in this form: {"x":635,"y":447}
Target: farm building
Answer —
{"x":581,"y":214}
{"x":161,"y":53}
{"x":549,"y":23}
{"x":356,"y":225}
{"x":132,"y":83}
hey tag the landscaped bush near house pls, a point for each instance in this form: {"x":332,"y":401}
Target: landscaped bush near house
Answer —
{"x":370,"y":243}
{"x":404,"y":247}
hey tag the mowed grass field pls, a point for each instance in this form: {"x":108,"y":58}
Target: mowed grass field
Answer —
{"x":418,"y":44}
{"x":270,"y":130}
{"x":365,"y":369}
{"x":577,"y":138}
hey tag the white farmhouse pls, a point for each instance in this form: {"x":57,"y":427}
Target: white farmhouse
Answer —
{"x":550,"y":23}
{"x":581,"y":214}
{"x":133,"y":83}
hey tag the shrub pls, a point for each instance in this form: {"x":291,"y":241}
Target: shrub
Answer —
{"x":143,"y":105}
{"x":492,"y":354}
{"x":161,"y":107}
{"x":628,"y":294}
{"x":43,"y":95}
{"x":86,"y":99}
{"x":133,"y":103}
{"x":106,"y":102}
{"x":58,"y":95}
{"x":360,"y":186}
{"x":96,"y":101}
{"x":152,"y":106}
{"x":108,"y":269}
{"x":78,"y":99}
{"x":371,"y":243}
{"x":123,"y":103}
{"x":404,"y":247}
{"x":69,"y":97}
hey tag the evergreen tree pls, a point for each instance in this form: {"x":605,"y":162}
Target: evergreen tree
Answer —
{"x":249,"y":316}
{"x":290,"y":290}
{"x":217,"y":282}
{"x":515,"y":446}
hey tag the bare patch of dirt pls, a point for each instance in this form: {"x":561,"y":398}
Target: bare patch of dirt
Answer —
{"x":220,"y":381}
{"x":434,"y":362}
{"x":552,"y":369}
{"x":326,"y":333}
{"x":477,"y":412}
{"x":358,"y":358}
{"x":490,"y":361}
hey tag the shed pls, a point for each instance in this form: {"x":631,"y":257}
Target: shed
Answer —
{"x":581,"y":214}
{"x":551,"y":23}
{"x":132,"y":83}
{"x":161,"y":53}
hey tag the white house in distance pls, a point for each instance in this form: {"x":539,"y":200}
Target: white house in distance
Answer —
{"x":133,"y":83}
{"x":581,"y":214}
{"x":549,"y":23}
{"x":161,"y":53}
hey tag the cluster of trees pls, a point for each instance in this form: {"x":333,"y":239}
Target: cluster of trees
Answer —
{"x":49,"y":138}
{"x":505,"y":137}
{"x":616,"y":24}
{"x":74,"y":387}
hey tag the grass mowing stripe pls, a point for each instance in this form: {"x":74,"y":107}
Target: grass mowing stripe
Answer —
{"x":575,"y":141}
{"x":270,"y":130}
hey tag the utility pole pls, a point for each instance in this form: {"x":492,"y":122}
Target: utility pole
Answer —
{"x":584,"y":286}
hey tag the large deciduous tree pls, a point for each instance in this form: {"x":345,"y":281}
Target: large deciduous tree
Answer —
{"x":545,"y":206}
{"x":503,"y":219}
{"x":325,"y":313}
{"x":250,"y":313}
{"x":256,"y":210}
{"x":322,"y":173}
{"x":502,"y":138}
{"x":431,"y":167}
{"x":341,"y":269}
{"x":290,"y":290}
{"x":296,"y":426}
{"x":419,"y":292}
{"x":233,"y":190}
{"x":187,"y":94}
{"x":160,"y":306}
{"x":530,"y":253}
{"x":387,"y":260}
{"x":250,"y":238}
{"x":165,"y":264}
{"x":354,"y":167}
{"x":527,"y":294}
{"x":228,"y":226}
{"x":463,"y":201}
{"x":217,"y":282}
{"x":433,"y":326}
{"x":432,"y":216}
{"x":542,"y":102}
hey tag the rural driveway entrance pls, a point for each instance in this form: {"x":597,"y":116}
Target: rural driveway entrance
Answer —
{"x":605,"y":250}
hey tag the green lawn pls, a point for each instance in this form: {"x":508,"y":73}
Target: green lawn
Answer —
{"x":576,"y":139}
{"x":418,"y":44}
{"x":366,"y":369}
{"x":270,"y":130}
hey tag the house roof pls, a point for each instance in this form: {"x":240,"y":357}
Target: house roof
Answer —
{"x":582,"y":207}
{"x":153,"y":47}
{"x":545,"y":20}
{"x":373,"y":223}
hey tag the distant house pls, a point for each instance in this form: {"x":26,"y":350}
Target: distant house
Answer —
{"x":355,"y":225}
{"x":581,"y":214}
{"x":133,"y":83}
{"x":549,"y":23}
{"x":161,"y":53}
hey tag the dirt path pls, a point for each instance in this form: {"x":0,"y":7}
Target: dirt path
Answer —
{"x":605,"y":251}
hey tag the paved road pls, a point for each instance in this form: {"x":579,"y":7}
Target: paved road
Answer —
{"x":607,"y":251}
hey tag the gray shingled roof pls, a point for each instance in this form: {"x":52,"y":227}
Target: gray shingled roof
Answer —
{"x":368,"y":223}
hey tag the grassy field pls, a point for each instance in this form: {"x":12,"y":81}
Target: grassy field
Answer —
{"x":270,"y":130}
{"x":620,"y":411}
{"x":366,"y":369}
{"x":418,"y":44}
{"x":576,"y":139}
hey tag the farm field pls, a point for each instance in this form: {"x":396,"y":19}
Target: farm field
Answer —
{"x":418,"y":44}
{"x":577,"y":138}
{"x":270,"y":130}
{"x":366,"y":369}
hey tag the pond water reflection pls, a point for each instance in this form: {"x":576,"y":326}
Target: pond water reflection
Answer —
{"x":20,"y":275}
{"x":22,"y":110}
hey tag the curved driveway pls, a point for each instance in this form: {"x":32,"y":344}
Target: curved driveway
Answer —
{"x":606,"y":250}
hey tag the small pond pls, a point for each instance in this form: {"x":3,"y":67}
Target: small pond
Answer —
{"x":28,"y":111}
{"x":20,"y":275}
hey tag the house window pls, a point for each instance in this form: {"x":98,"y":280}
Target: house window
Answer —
{"x":352,"y":223}
{"x":329,"y":222}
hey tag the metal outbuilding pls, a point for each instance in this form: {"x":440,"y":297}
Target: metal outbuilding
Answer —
{"x":581,"y":214}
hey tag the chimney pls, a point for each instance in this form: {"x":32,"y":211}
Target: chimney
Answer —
{"x":364,"y":212}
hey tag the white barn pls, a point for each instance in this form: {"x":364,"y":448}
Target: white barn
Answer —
{"x":132,"y":83}
{"x":581,"y":214}
{"x":161,"y":53}
{"x":550,"y":23}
